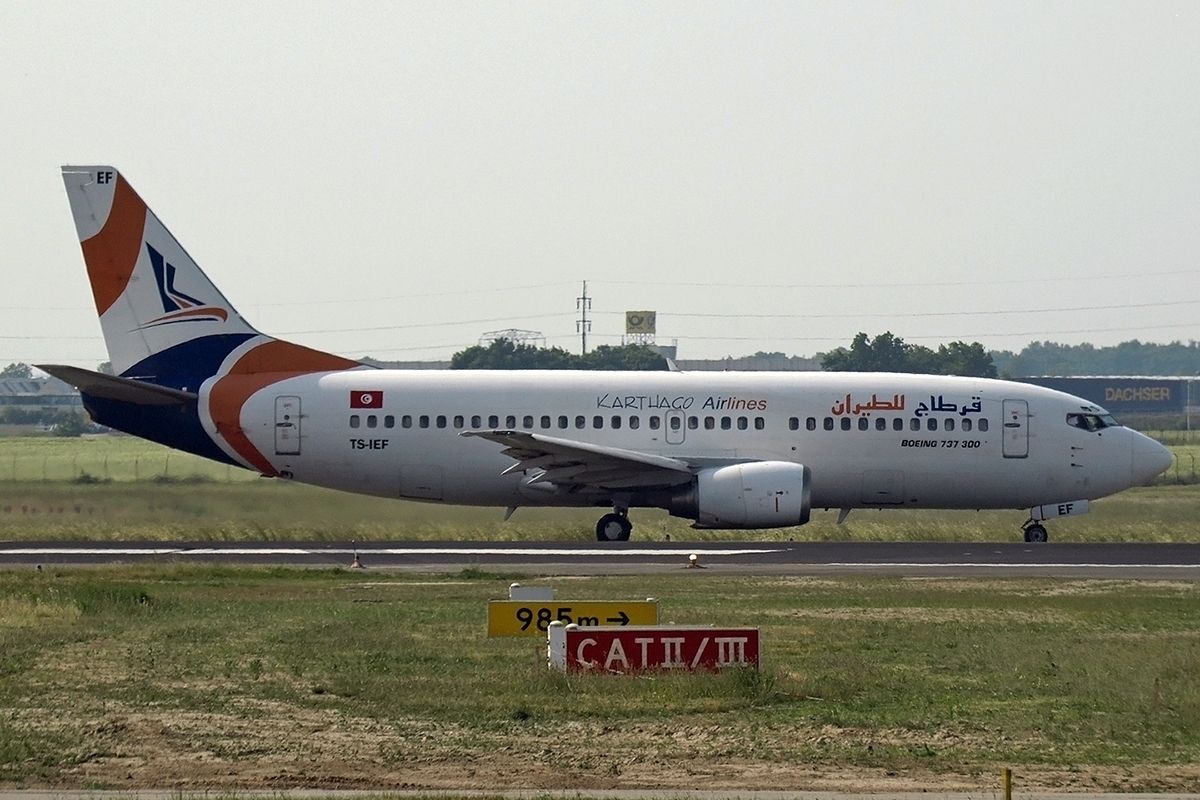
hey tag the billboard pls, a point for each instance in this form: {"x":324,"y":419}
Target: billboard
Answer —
{"x":640,"y":322}
{"x":1124,"y":395}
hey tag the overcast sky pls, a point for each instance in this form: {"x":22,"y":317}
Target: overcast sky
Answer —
{"x":396,"y":179}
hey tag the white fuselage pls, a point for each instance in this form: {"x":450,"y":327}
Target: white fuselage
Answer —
{"x":870,"y":439}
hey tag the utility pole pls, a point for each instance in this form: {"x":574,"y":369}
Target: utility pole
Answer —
{"x":583,"y":305}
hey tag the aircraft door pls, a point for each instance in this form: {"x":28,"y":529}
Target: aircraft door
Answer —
{"x":676,"y":427}
{"x":1016,"y":428}
{"x":287,"y":426}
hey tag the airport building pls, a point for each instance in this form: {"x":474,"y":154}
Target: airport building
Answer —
{"x":37,"y":395}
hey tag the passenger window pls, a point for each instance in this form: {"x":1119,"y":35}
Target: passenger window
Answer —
{"x":759,"y":424}
{"x":880,"y":424}
{"x":693,"y":423}
{"x":634,"y":422}
{"x":949,"y":424}
{"x":726,"y":423}
{"x":510,"y":421}
{"x":580,"y":422}
{"x":966,"y":425}
{"x":829,"y":423}
{"x":476,"y":421}
{"x":527,"y":422}
{"x":914,"y":424}
{"x":811,"y":423}
{"x":864,"y":424}
{"x":545,"y":420}
{"x":676,"y":423}
{"x":654,"y":423}
{"x":743,"y":423}
{"x":493,"y":421}
{"x":354,"y":421}
{"x":372,"y":421}
{"x":710,"y":423}
{"x":459,"y":422}
{"x":615,"y":422}
{"x":983,"y":426}
{"x":845,"y":423}
{"x":931,"y":424}
{"x":597,"y":421}
{"x":406,"y":421}
{"x":563,"y":422}
{"x":389,"y":421}
{"x":424,"y":421}
{"x":441,"y":421}
{"x":793,"y":423}
{"x":897,"y":424}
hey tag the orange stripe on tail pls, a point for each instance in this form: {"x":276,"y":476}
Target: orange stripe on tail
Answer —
{"x":112,"y":253}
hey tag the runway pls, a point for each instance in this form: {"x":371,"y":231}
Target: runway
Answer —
{"x":908,"y":559}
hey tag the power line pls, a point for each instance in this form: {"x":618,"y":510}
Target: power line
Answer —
{"x":914,"y":284}
{"x":937,"y":337}
{"x":931,"y":313}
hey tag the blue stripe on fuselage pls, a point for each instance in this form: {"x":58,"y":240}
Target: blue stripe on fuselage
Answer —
{"x":174,"y":426}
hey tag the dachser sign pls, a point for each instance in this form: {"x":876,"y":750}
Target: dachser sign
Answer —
{"x":1124,"y":395}
{"x":1137,"y":394}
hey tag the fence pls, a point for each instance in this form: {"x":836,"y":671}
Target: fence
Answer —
{"x":104,"y":465}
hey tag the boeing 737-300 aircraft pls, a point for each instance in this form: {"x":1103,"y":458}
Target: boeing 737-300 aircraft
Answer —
{"x":724,"y":449}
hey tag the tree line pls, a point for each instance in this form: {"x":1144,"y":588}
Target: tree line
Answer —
{"x":1127,"y":358}
{"x":889,"y":353}
{"x":884,"y":352}
{"x":506,"y":354}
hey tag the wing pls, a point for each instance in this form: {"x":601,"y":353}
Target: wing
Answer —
{"x":568,"y":463}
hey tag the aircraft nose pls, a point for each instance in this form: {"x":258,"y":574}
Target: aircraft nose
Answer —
{"x":1149,"y":458}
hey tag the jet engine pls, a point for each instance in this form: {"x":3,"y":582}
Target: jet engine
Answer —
{"x":759,"y":494}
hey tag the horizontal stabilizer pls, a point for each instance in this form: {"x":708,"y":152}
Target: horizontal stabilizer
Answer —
{"x":111,"y":387}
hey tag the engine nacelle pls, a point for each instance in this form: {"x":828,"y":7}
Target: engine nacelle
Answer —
{"x":760,"y":494}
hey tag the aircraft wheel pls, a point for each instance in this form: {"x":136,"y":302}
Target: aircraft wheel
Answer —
{"x":1037,"y":534}
{"x":613,"y":528}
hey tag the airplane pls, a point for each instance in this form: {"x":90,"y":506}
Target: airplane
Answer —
{"x":728,"y":450}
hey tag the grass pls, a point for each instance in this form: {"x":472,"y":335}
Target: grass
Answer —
{"x":105,"y":459}
{"x":943,"y":678}
{"x":115,"y":459}
{"x":1186,"y":468}
{"x":278,"y":511}
{"x":181,"y":497}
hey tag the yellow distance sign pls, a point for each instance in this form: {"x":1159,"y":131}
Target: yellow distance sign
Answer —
{"x":522,"y":618}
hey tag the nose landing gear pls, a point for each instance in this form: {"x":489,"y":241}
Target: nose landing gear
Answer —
{"x":1035,"y":532}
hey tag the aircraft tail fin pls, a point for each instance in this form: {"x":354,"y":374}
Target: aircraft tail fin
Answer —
{"x":164,"y":321}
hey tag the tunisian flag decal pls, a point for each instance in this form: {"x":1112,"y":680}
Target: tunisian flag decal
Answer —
{"x":366,"y":399}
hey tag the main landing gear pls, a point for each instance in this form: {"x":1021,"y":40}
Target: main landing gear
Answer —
{"x":1035,"y":532}
{"x":614,"y":527}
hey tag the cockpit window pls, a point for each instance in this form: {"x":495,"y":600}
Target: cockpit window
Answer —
{"x":1092,"y":422}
